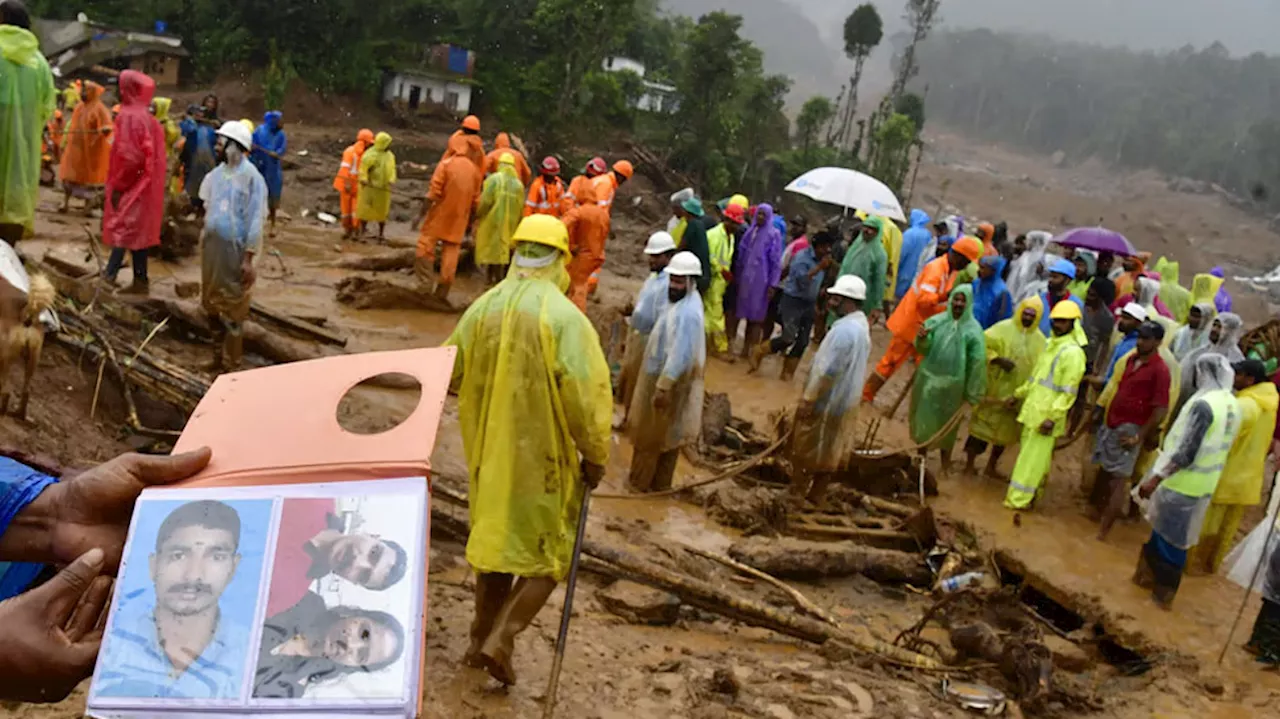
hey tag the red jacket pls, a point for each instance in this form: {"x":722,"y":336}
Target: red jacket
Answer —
{"x":137,"y":170}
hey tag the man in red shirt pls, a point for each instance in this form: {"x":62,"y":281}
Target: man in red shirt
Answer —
{"x":312,"y":545}
{"x":1128,"y":421}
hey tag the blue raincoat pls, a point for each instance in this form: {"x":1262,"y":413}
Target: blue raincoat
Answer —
{"x":270,"y":136}
{"x":914,"y":242}
{"x":198,"y":156}
{"x":991,"y":299}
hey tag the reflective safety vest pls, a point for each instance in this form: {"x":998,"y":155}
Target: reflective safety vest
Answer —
{"x":1200,"y":479}
{"x":1048,"y":381}
{"x":545,"y":198}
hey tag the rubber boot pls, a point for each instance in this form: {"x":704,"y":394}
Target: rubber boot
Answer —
{"x":789,"y":366}
{"x":519,"y":611}
{"x":141,"y":288}
{"x":492,"y":591}
{"x":235,"y":350}
{"x":442,"y":294}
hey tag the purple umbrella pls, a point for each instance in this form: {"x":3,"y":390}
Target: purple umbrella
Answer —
{"x":1098,"y":239}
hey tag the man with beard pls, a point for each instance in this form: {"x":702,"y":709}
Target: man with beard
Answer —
{"x":313,"y":545}
{"x":183,"y":645}
{"x":311,"y":644}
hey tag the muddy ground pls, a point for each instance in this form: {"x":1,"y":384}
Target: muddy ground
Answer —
{"x":617,"y":669}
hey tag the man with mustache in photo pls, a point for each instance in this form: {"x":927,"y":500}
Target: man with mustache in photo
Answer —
{"x":183,"y":646}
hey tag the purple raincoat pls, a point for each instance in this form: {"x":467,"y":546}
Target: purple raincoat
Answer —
{"x":1222,"y":300}
{"x":758,"y":266}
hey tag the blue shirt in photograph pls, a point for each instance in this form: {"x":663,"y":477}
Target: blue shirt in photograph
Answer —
{"x":798,"y":283}
{"x":1129,"y":342}
{"x":134,"y":665}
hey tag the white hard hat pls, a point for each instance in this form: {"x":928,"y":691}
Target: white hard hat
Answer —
{"x":1135,"y":310}
{"x":659,"y":242}
{"x":235,"y":130}
{"x":850,"y":286}
{"x":685,"y":264}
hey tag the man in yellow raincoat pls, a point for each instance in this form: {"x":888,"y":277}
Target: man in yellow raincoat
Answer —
{"x":1242,"y":477}
{"x":1013,"y":346}
{"x":377,"y":175}
{"x":720,"y":243}
{"x":1046,"y":399}
{"x":666,"y":409}
{"x":501,"y":207}
{"x":533,"y":397}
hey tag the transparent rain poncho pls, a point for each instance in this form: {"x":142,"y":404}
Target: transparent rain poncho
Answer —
{"x":533,"y":397}
{"x":1175,"y":297}
{"x":235,"y":200}
{"x":651,"y":302}
{"x":1148,"y":291}
{"x":992,"y":421}
{"x":1228,"y":346}
{"x":1177,"y":517}
{"x":674,"y":360}
{"x":1185,"y":340}
{"x":1023,"y":269}
{"x":953,"y":370}
{"x":1241,"y":565}
{"x":821,"y":442}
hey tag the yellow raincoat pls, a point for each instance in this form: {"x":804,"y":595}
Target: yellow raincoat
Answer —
{"x":992,"y":421}
{"x":500,"y":212}
{"x":1204,"y":288}
{"x":377,"y":175}
{"x":1047,"y":395}
{"x":1176,"y":297}
{"x":1240,"y":486}
{"x":533,"y":393}
{"x":720,"y":244}
{"x":171,"y":131}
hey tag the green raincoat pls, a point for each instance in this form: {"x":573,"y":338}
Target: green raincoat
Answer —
{"x":953,"y":370}
{"x":1047,"y":395}
{"x":27,"y":101}
{"x":377,"y":175}
{"x":869,"y":261}
{"x":1176,"y":297}
{"x":992,"y":421}
{"x":500,"y":212}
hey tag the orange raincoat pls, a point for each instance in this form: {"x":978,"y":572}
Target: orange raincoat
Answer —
{"x":88,"y":153}
{"x":347,"y":181}
{"x":926,"y":298}
{"x":546,"y":198}
{"x":588,"y":225}
{"x":455,"y":193}
{"x":501,"y":144}
{"x":474,"y":149}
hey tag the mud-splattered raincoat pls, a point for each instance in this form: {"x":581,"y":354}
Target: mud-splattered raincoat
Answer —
{"x":675,"y":358}
{"x":953,"y":371}
{"x":377,"y":175}
{"x":822,"y":441}
{"x":992,"y":421}
{"x":27,"y":101}
{"x":500,"y":211}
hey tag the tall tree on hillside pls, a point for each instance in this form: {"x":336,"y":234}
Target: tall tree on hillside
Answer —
{"x":863,"y":31}
{"x":578,"y":35}
{"x":764,"y":128}
{"x":816,"y":113}
{"x":921,"y":16}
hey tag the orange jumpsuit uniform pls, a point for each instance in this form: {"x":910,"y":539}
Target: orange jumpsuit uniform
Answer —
{"x":347,"y":182}
{"x":546,"y":198}
{"x":455,"y":194}
{"x":502,"y":144}
{"x":575,"y":189}
{"x":926,"y":298}
{"x":588,"y":226}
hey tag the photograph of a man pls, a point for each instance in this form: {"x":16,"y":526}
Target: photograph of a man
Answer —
{"x":312,"y":544}
{"x":178,"y":631}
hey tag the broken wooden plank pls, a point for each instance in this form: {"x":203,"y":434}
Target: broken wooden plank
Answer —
{"x":293,"y":323}
{"x":881,"y":538}
{"x":791,"y":558}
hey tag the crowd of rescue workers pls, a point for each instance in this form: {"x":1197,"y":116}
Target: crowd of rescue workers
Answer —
{"x":1032,"y":342}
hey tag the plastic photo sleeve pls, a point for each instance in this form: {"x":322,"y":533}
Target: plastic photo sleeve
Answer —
{"x":299,"y":600}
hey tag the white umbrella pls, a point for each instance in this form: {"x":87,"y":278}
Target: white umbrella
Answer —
{"x":849,"y":188}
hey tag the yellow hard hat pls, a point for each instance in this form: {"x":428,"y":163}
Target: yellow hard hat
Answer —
{"x":1065,"y":310}
{"x":544,"y":230}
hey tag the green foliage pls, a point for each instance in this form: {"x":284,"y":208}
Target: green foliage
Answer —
{"x":911,"y":105}
{"x":891,"y":159}
{"x":1196,"y":113}
{"x":815,"y":114}
{"x":863,"y":30}
{"x":611,"y":96}
{"x":275,"y":81}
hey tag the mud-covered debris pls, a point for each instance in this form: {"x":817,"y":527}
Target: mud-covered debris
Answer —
{"x":716,"y":413}
{"x":381,"y":262}
{"x":1213,"y":685}
{"x":639,"y":604}
{"x":790,"y":558}
{"x":1067,"y":655}
{"x":724,"y":681}
{"x":779,"y":711}
{"x":365,"y":294}
{"x":751,"y":509}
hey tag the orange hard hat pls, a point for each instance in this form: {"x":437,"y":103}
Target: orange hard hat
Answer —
{"x":624,"y":168}
{"x":550,"y":166}
{"x":365,"y":135}
{"x":969,"y":247}
{"x":471,"y":122}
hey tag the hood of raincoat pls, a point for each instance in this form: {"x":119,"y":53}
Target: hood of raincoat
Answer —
{"x":19,"y":46}
{"x":765,"y":208}
{"x":1148,"y":291}
{"x":945,"y":314}
{"x":990,"y":290}
{"x":458,"y":146}
{"x":383,"y":141}
{"x":532,"y":261}
{"x":502,"y":141}
{"x":163,"y":105}
{"x":272,"y":119}
{"x":985,"y":232}
{"x":1033,"y":303}
{"x":1194,"y":339}
{"x":136,"y":89}
{"x":1232,"y":329}
{"x":1212,"y":372}
{"x":1265,"y":394}
{"x":919,"y":218}
{"x":1090,"y":264}
{"x":93,"y":91}
{"x":877,"y":222}
{"x":1204,"y":287}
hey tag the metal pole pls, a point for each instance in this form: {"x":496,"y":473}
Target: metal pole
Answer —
{"x":553,"y":684}
{"x":1257,"y":571}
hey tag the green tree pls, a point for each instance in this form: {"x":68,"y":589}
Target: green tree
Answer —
{"x":921,"y":16}
{"x":275,"y":81}
{"x":815,"y":114}
{"x":863,"y":31}
{"x":894,"y":140}
{"x":911,"y":105}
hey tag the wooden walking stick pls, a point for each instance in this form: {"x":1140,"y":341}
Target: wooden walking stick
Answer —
{"x":906,"y":390}
{"x":553,"y":684}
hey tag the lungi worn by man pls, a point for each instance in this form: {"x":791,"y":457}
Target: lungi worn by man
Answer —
{"x":533,"y":396}
{"x":666,"y":410}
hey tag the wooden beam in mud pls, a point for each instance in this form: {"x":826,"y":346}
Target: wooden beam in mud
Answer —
{"x":312,"y":331}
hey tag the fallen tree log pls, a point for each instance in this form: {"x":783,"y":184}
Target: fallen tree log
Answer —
{"x":256,"y":337}
{"x":384,"y":262}
{"x":366,"y":294}
{"x":790,"y":558}
{"x":880,"y":538}
{"x":312,"y":331}
{"x":619,"y":563}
